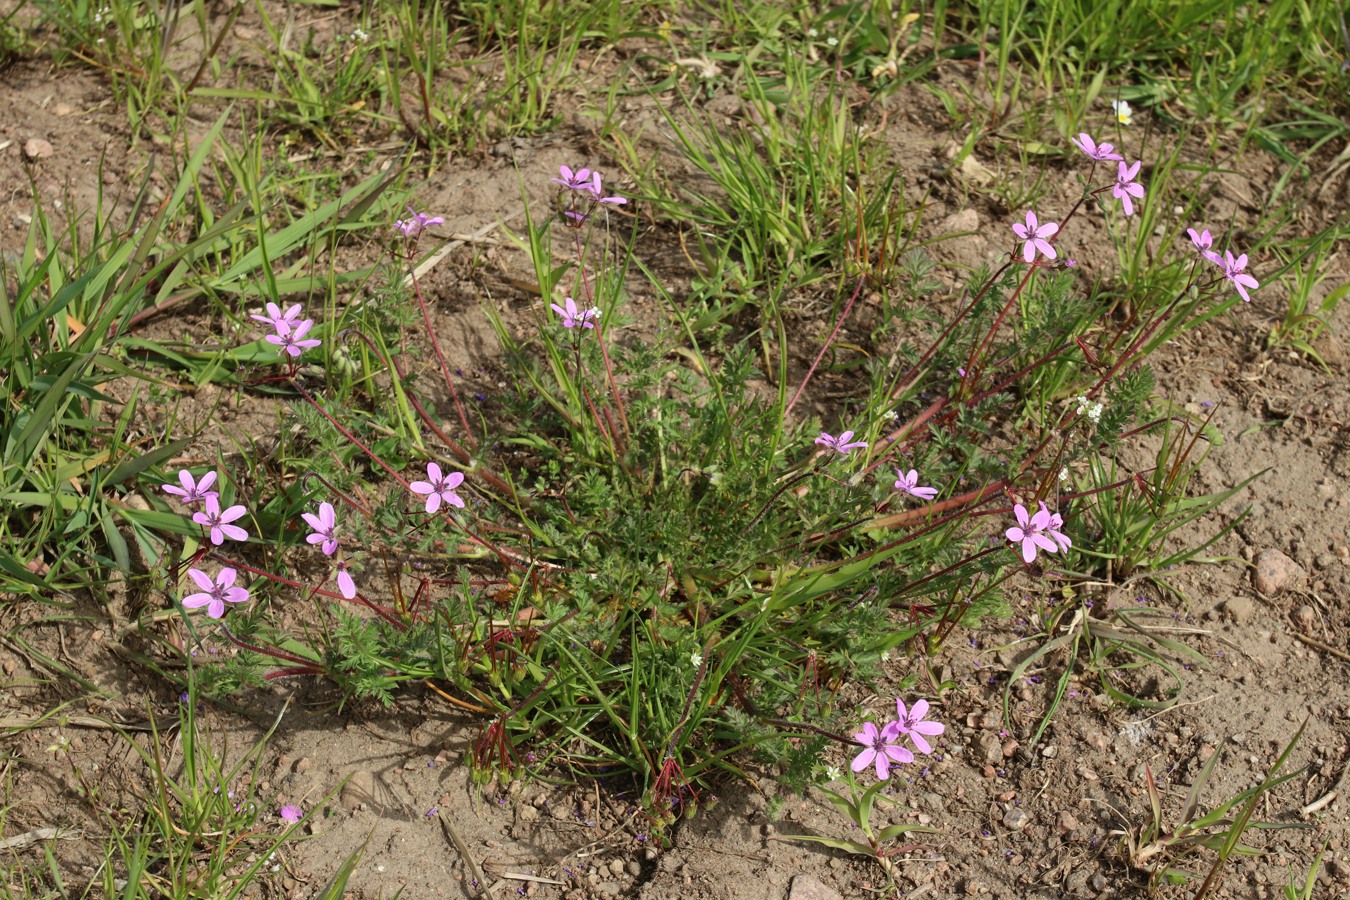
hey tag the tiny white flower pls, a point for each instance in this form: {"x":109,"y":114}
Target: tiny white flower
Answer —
{"x":832,"y":41}
{"x":812,"y":33}
{"x":695,"y":659}
{"x":1095,"y":413}
{"x":1064,"y":474}
{"x":885,"y":656}
{"x":359,"y":35}
{"x":833,"y":773}
{"x":891,"y":415}
{"x":1122,"y":110}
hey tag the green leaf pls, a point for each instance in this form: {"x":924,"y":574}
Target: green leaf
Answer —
{"x":21,"y":449}
{"x":847,"y":846}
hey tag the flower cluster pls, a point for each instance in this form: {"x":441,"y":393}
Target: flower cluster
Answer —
{"x":1093,"y":410}
{"x":1233,"y":267}
{"x":843,"y":444}
{"x":585,"y":181}
{"x":1036,"y":236}
{"x":585,"y":184}
{"x":572,"y":316}
{"x":881,"y":745}
{"x":325,"y":535}
{"x":289,"y":330}
{"x":197,"y":495}
{"x":412,"y":226}
{"x":1038,"y":532}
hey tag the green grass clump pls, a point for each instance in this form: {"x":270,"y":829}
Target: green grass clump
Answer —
{"x":644,"y":563}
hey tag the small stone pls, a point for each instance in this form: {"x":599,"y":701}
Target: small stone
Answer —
{"x":63,"y":109}
{"x":1098,"y":741}
{"x":37,"y":148}
{"x":1097,"y":882}
{"x":1240,"y":609}
{"x":527,"y":813}
{"x":616,"y":866}
{"x":1065,"y":822}
{"x":1008,"y":748}
{"x":988,"y":747}
{"x":808,"y":887}
{"x":609,"y":888}
{"x":1305,"y":617}
{"x":1016,"y":819}
{"x":302,"y":765}
{"x":1273,"y":572}
{"x":963,"y":221}
{"x":633,"y":868}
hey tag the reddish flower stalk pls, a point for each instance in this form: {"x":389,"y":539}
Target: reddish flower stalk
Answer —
{"x":589,"y":293}
{"x":440,"y":357}
{"x":839,"y":323}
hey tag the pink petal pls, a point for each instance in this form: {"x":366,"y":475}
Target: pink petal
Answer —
{"x":863,"y":760}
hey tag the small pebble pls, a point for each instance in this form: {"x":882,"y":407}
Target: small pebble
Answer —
{"x":1273,"y":572}
{"x":37,"y":148}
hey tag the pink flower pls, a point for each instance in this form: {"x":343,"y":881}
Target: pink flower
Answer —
{"x":219,"y":522}
{"x":1126,"y":187}
{"x":1030,"y":532}
{"x":325,"y":528}
{"x":290,"y":814}
{"x":580,"y":180}
{"x":879,"y":747}
{"x":192,"y":492}
{"x":293,"y":341}
{"x":909,"y":483}
{"x":1055,"y":522}
{"x":412,"y":227}
{"x":843,"y":444}
{"x":346,"y":584}
{"x":586,"y":181}
{"x":438,"y":488}
{"x":1233,"y":271}
{"x":1094,"y":150}
{"x":1203,"y":242}
{"x":215,"y":594}
{"x":1035,"y":236}
{"x":572,"y":317}
{"x":280,"y":321}
{"x":911,"y":722}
